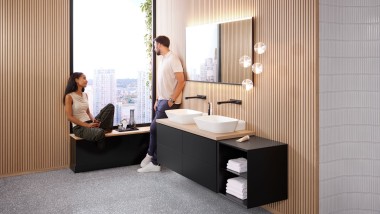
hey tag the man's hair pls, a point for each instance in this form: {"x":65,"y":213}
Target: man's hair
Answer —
{"x":163,"y":40}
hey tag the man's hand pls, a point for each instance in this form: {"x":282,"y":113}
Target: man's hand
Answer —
{"x":155,"y":106}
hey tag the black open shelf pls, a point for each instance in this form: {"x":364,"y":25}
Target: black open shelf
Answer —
{"x":241,"y":174}
{"x":267,"y":170}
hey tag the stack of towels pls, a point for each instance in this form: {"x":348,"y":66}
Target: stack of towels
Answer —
{"x":237,"y":187}
{"x":238,"y":165}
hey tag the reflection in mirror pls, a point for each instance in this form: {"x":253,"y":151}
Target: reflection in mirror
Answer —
{"x":213,"y":52}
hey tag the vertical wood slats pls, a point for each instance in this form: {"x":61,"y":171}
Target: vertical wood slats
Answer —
{"x":283,"y":104}
{"x":34,"y":45}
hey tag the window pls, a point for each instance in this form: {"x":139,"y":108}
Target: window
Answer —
{"x":109,"y":48}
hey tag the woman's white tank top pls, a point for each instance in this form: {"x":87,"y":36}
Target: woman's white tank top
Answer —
{"x":80,"y":106}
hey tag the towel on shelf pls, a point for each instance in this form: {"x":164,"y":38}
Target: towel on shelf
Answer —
{"x":241,"y":196}
{"x":238,"y":161}
{"x":241,"y":191}
{"x":236,"y":186}
{"x":237,"y":169}
{"x":237,"y":182}
{"x":237,"y":165}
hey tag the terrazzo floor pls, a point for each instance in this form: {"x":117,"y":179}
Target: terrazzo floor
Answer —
{"x":117,"y":190}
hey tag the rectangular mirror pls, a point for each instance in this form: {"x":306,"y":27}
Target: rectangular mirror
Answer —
{"x":213,"y":52}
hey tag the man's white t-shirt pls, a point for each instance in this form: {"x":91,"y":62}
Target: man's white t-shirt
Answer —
{"x":166,"y":81}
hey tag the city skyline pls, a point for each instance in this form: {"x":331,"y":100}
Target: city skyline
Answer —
{"x":125,"y":94}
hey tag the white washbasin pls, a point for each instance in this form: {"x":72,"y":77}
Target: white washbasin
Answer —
{"x":216,"y":123}
{"x":182,"y":116}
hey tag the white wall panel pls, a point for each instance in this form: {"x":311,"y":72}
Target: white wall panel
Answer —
{"x":349,"y":106}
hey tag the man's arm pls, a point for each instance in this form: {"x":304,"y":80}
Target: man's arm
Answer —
{"x":179,"y":87}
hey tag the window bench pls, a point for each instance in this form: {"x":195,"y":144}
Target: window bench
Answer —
{"x":122,"y":149}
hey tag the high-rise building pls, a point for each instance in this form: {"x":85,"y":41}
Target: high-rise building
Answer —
{"x":118,"y":113}
{"x":143,"y":110}
{"x":104,"y":89}
{"x":208,"y":70}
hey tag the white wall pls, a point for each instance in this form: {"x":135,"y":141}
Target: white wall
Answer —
{"x":349,"y":106}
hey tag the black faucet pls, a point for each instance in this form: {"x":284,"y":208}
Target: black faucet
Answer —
{"x":238,"y":102}
{"x":203,"y":97}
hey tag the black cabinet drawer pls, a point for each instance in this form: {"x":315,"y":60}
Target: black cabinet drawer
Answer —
{"x":169,"y":137}
{"x":169,"y":158}
{"x":200,"y":148}
{"x":200,"y":172}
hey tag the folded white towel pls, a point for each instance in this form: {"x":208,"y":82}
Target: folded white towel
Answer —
{"x":237,"y":169}
{"x":238,"y":161}
{"x":238,"y":191}
{"x":236,"y":186}
{"x":237,"y":164}
{"x":243,"y":197}
{"x":238,"y":182}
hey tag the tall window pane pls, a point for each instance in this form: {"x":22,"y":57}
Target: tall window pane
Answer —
{"x":108,"y":46}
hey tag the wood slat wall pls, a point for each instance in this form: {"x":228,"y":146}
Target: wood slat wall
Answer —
{"x":34,"y":61}
{"x":283,"y":104}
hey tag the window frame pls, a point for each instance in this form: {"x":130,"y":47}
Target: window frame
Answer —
{"x":71,"y":59}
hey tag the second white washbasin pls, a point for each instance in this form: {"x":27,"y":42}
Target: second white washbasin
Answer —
{"x":216,"y":123}
{"x":182,"y":116}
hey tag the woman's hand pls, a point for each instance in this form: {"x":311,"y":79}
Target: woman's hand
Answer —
{"x":92,"y":125}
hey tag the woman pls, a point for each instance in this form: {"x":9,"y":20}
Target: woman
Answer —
{"x":78,"y":112}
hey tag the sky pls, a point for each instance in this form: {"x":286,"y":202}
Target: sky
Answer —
{"x":108,"y":34}
{"x":205,"y":36}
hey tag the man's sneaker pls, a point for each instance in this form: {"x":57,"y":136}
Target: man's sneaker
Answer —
{"x":146,"y":160}
{"x":150,"y":168}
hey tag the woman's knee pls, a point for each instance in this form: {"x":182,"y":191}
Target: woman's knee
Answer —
{"x":110,"y":106}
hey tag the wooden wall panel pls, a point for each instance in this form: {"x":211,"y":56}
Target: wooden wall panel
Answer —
{"x":34,"y":60}
{"x":283,"y":104}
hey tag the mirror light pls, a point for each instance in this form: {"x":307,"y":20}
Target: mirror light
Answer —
{"x":257,"y":68}
{"x":260,"y":47}
{"x":245,"y":61}
{"x":247,"y":84}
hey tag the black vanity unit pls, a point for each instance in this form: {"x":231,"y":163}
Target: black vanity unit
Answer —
{"x":122,"y":149}
{"x":204,"y":161}
{"x":188,"y":154}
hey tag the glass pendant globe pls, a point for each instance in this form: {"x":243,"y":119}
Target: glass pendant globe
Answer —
{"x":257,"y":68}
{"x":247,"y":84}
{"x":245,"y":61}
{"x":260,"y":47}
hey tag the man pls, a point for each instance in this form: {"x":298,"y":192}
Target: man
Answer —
{"x":170,"y":83}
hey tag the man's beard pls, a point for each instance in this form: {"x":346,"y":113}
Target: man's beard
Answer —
{"x":158,"y":52}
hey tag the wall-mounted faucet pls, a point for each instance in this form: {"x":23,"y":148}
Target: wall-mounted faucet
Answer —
{"x":203,"y":97}
{"x":238,"y":102}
